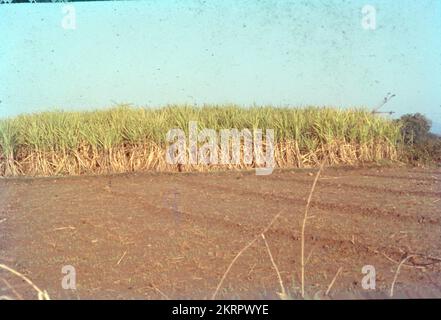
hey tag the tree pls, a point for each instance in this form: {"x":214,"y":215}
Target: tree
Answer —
{"x":415,"y":128}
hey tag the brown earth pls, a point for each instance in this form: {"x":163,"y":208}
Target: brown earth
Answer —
{"x":152,"y":236}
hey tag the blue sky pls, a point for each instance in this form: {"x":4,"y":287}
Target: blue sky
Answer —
{"x":221,"y":51}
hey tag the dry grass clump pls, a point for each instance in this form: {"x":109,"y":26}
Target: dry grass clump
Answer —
{"x":125,"y":139}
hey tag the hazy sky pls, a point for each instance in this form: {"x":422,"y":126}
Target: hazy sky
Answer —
{"x":264,"y":52}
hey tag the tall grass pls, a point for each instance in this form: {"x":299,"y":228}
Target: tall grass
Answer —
{"x":125,"y":138}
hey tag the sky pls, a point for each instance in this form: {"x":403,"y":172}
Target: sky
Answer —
{"x":284,"y":53}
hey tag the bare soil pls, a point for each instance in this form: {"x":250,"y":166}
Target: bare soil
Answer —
{"x":157,"y":236}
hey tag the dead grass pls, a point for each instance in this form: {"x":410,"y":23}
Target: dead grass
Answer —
{"x":283,"y":294}
{"x":302,"y":237}
{"x":41,"y":294}
{"x":240,"y":253}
